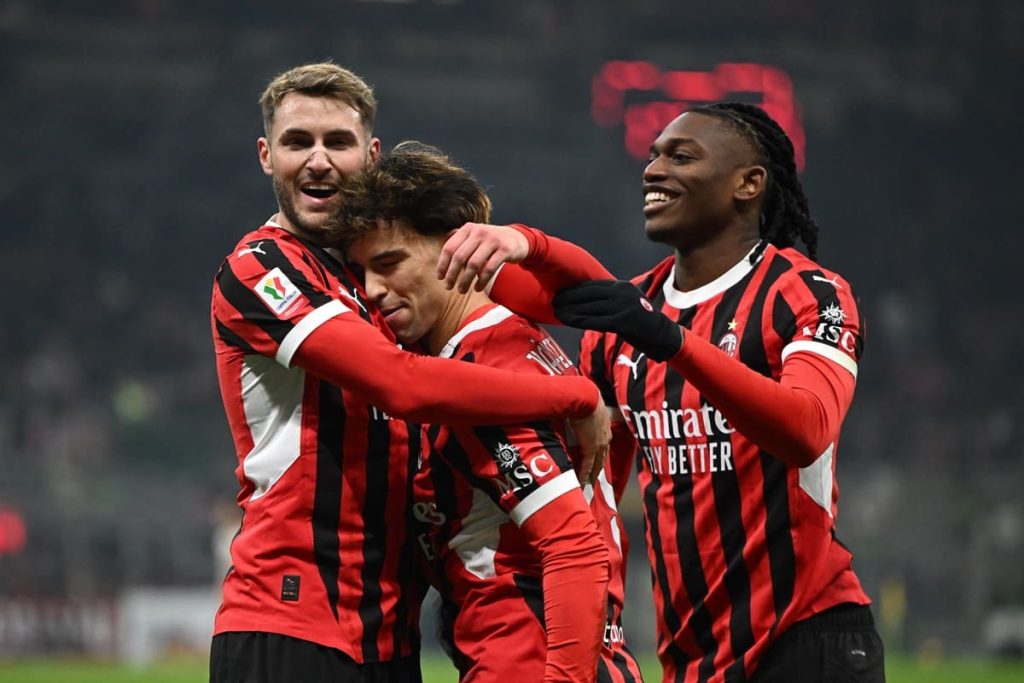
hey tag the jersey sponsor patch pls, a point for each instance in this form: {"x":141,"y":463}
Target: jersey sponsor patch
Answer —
{"x":277,"y":291}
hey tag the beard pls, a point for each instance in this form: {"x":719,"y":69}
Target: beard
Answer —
{"x":284,"y":200}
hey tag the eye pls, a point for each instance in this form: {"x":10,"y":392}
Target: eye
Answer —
{"x":679,"y":157}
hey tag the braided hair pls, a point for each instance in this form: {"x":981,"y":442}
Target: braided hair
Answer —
{"x":785,"y":216}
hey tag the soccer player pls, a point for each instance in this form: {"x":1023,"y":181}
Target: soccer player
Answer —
{"x":518,"y":557}
{"x":732,"y":363}
{"x":318,"y":395}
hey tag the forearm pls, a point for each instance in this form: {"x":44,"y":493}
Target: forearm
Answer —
{"x":528,"y":287}
{"x":794,"y":419}
{"x":575,"y":581}
{"x":424,"y":389}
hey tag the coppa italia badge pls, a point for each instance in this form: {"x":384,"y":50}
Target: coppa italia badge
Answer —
{"x":277,"y":291}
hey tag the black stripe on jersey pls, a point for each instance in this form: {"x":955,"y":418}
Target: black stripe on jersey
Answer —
{"x":827,"y":295}
{"x":378,"y":460}
{"x":442,"y":479}
{"x":249,"y":304}
{"x":327,"y":493}
{"x":325,"y":262}
{"x":726,"y":487}
{"x":775,"y":490}
{"x":603,"y":675}
{"x":533,"y":595}
{"x":545,"y":435}
{"x":406,"y":582}
{"x":599,"y":370}
{"x":275,"y":258}
{"x":685,"y":540}
{"x":636,"y":397}
{"x":491,"y":438}
{"x":622,"y":665}
{"x":231,"y":339}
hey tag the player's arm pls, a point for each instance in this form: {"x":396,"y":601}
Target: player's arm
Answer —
{"x":795,"y":418}
{"x":533,"y":266}
{"x":298,"y":321}
{"x":347,"y":352}
{"x":575,"y":578}
{"x":546,"y":503}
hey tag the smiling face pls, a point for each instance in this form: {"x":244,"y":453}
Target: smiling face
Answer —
{"x":701,"y":177}
{"x":398,"y":267}
{"x":312,"y":146}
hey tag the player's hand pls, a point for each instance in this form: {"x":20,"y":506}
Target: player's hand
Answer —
{"x":620,"y":307}
{"x":476,"y":250}
{"x":594,"y":438}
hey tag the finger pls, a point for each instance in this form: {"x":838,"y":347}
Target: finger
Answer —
{"x":598,"y":466}
{"x":448,"y":250}
{"x":475,"y":265}
{"x":460,"y":260}
{"x":585,"y":465}
{"x":489,"y":270}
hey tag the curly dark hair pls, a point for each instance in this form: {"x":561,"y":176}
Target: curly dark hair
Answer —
{"x":417,"y":184}
{"x":785,"y":216}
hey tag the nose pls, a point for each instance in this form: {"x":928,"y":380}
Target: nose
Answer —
{"x":654,"y":170}
{"x":318,"y":161}
{"x":376,"y":288}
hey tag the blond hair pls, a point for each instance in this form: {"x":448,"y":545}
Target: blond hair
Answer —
{"x":325,"y":79}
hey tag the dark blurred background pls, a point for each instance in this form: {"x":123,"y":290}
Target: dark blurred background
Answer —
{"x":129,"y":169}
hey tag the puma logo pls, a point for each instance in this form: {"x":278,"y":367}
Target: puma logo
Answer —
{"x":254,"y":249}
{"x":834,"y":281}
{"x":623,"y":359}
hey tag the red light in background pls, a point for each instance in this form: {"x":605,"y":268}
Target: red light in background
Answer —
{"x":643,"y":121}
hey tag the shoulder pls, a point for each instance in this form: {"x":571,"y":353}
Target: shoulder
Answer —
{"x":500,"y":338}
{"x":653,"y":279}
{"x":798,"y":269}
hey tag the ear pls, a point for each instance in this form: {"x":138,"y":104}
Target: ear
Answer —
{"x":751,"y":183}
{"x":263,"y":147}
{"x":373,"y":149}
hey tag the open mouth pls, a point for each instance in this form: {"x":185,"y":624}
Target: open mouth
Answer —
{"x":319,"y":191}
{"x":655,"y":200}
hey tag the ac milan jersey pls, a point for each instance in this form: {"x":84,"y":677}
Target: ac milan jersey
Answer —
{"x":320,"y":469}
{"x":476,"y":485}
{"x":740,"y":545}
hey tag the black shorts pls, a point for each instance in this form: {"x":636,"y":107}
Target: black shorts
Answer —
{"x":839,"y":645}
{"x":253,"y":657}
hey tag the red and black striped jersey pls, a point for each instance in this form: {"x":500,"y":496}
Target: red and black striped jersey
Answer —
{"x":323,"y":552}
{"x":477,"y":485}
{"x":741,"y":545}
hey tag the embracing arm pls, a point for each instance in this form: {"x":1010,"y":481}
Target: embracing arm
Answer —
{"x":533,"y":266}
{"x":356,"y":356}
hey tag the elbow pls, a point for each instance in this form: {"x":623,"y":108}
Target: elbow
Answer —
{"x":803,"y":452}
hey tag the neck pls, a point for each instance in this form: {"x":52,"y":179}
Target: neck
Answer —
{"x":698,"y":265}
{"x":457,"y":309}
{"x":280,"y":219}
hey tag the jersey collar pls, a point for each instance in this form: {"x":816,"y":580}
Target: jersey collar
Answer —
{"x":681,"y":300}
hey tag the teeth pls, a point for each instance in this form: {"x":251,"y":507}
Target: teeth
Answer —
{"x":655,"y":198}
{"x":324,"y":188}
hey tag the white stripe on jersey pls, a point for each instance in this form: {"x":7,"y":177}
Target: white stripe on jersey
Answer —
{"x":272,"y":401}
{"x":816,"y":479}
{"x":477,"y":541}
{"x":563,"y":483}
{"x":488,"y":319}
{"x":313,"y":320}
{"x":823,"y":350}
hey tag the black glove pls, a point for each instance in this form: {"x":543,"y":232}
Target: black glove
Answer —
{"x":620,"y":307}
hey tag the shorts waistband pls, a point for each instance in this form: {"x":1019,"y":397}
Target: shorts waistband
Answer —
{"x":847,"y":616}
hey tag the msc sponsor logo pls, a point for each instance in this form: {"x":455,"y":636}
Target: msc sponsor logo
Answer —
{"x":516,"y":476}
{"x":832,"y":334}
{"x":613,"y":633}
